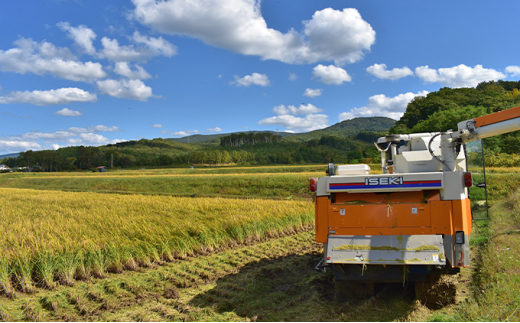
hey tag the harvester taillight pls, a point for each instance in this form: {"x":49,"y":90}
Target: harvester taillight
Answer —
{"x":312,"y":184}
{"x":460,"y":256}
{"x":468,"y":179}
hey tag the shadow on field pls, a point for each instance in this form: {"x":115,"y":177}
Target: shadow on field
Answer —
{"x":289,"y":289}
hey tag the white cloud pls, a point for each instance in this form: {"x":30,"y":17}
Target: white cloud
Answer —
{"x":216,"y":129}
{"x":302,"y":109}
{"x":125,"y":89}
{"x":48,"y":136}
{"x":82,"y":35}
{"x":11,"y":146}
{"x":380,"y":71}
{"x":382,"y":106}
{"x":151,"y":47}
{"x":159,"y":46}
{"x":123,"y":69}
{"x":45,"y":58}
{"x":297,"y":124}
{"x":255,"y":78}
{"x":458,"y":76}
{"x":113,"y":51}
{"x":157,"y":125}
{"x":36,"y":140}
{"x":52,"y":97}
{"x":86,"y":139}
{"x":312,"y":93}
{"x":98,"y":128}
{"x":293,"y":76}
{"x":183,"y":133}
{"x":68,"y":113}
{"x":180,"y":133}
{"x":238,"y":26}
{"x":513,"y":70}
{"x":330,"y":74}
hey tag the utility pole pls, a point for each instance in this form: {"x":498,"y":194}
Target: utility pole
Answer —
{"x":111,"y":161}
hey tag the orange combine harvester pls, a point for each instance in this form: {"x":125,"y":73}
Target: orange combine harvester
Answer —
{"x":413,"y":220}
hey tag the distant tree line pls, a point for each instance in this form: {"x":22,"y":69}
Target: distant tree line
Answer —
{"x":267,"y":150}
{"x":249,"y":138}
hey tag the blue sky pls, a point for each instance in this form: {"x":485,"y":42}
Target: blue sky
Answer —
{"x":78,"y":72}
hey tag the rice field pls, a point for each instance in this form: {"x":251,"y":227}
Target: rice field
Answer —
{"x":50,"y":237}
{"x":56,"y":228}
{"x":261,"y":185}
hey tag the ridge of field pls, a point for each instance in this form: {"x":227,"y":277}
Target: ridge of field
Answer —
{"x":181,"y":171}
{"x":261,"y":185}
{"x":245,"y":183}
{"x":494,"y":282}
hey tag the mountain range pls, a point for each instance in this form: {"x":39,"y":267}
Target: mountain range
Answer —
{"x":341,"y":129}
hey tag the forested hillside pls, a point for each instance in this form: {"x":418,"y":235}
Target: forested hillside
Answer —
{"x":442,"y":110}
{"x":215,"y":139}
{"x":342,"y":129}
{"x":346,"y":128}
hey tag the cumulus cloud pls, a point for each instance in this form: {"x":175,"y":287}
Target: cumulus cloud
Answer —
{"x":98,"y":128}
{"x":123,"y":69}
{"x":238,"y":26}
{"x":308,"y":123}
{"x":312,"y":93}
{"x":68,"y":113}
{"x":82,"y":35}
{"x":380,"y":71}
{"x":151,"y":47}
{"x":302,"y":109}
{"x":382,"y":106}
{"x":513,"y":70}
{"x":159,"y":46}
{"x":293,"y":76}
{"x":37,"y":140}
{"x":458,"y":76}
{"x":182,"y":133}
{"x":330,"y":74}
{"x":113,"y":51}
{"x":147,"y":47}
{"x":255,"y":78}
{"x":216,"y":129}
{"x":52,"y":97}
{"x":88,"y":139}
{"x":125,"y":89}
{"x":157,"y":125}
{"x":44,"y":58}
{"x":11,"y":146}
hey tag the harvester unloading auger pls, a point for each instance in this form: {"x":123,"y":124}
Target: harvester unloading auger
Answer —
{"x":415,"y":217}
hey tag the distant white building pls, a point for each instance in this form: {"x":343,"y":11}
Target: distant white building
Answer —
{"x":4,"y":168}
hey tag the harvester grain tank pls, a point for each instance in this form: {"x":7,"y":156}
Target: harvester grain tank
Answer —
{"x":414,"y":219}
